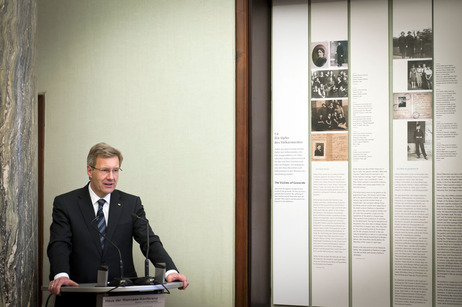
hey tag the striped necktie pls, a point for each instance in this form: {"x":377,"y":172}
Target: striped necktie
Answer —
{"x":101,"y":221}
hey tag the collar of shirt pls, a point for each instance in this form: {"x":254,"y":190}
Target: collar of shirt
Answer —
{"x":94,"y":201}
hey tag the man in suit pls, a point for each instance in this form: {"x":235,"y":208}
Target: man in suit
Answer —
{"x":410,"y":44}
{"x":76,"y":249}
{"x":340,"y":54}
{"x":419,"y":138}
{"x":402,"y":45}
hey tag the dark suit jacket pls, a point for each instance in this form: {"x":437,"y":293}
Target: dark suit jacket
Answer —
{"x":74,"y":245}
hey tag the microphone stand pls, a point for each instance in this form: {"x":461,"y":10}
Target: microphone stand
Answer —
{"x":116,"y":281}
{"x":146,"y":280}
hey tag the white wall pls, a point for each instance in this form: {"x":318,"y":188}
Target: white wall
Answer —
{"x":156,"y":80}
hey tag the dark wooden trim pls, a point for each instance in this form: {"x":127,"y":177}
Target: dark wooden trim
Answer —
{"x":41,"y":165}
{"x":253,"y":153}
{"x":242,"y":155}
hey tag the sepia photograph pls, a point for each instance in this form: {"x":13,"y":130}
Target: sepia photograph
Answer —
{"x":329,"y":146}
{"x":319,"y":150}
{"x":319,"y":55}
{"x":413,"y":105}
{"x":329,"y":115}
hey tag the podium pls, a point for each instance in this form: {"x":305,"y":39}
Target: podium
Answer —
{"x":150,"y":295}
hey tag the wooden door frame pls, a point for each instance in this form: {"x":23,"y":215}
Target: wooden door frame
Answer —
{"x":41,"y":165}
{"x":253,"y":153}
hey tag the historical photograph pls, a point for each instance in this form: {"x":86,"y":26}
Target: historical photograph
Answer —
{"x":420,"y":75}
{"x":413,"y":44}
{"x":413,"y":105}
{"x":329,"y":115}
{"x":329,"y":83}
{"x":419,"y":137}
{"x":319,"y":150}
{"x":319,"y":55}
{"x":339,"y":53}
{"x":329,"y":147}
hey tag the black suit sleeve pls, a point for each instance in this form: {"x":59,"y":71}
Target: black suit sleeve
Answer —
{"x":60,"y":245}
{"x":74,"y":245}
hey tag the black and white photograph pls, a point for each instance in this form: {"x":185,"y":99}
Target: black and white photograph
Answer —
{"x":319,"y":150}
{"x":402,"y":100}
{"x":329,"y":115}
{"x":413,"y":44}
{"x":339,"y":54}
{"x":329,"y":83}
{"x":420,"y":75}
{"x":419,"y":137}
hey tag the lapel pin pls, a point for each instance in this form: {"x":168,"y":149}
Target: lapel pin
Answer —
{"x":119,"y":205}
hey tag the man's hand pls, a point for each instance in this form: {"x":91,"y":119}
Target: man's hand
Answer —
{"x":55,"y":285}
{"x":178,"y":277}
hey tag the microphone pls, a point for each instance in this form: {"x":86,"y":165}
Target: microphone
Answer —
{"x":116,"y":282}
{"x":96,"y":217}
{"x":146,"y":280}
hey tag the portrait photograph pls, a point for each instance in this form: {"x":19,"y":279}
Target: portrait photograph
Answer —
{"x":419,"y":139}
{"x":339,"y":54}
{"x":319,"y":55}
{"x":319,"y":150}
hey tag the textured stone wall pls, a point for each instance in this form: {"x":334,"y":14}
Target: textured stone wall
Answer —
{"x":19,"y":283}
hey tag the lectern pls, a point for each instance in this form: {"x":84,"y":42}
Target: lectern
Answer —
{"x":148,"y":295}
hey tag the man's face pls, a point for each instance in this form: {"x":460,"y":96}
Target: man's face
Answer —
{"x":103,"y":178}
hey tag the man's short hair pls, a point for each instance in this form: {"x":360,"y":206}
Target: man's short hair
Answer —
{"x":103,"y":150}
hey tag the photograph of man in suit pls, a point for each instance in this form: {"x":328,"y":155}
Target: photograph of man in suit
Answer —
{"x":419,"y":138}
{"x":76,"y":249}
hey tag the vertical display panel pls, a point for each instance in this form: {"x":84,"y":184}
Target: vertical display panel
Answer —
{"x":367,"y":209}
{"x":290,"y":153}
{"x":330,"y":126}
{"x":412,"y":152}
{"x":448,"y":160}
{"x":370,"y":227}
